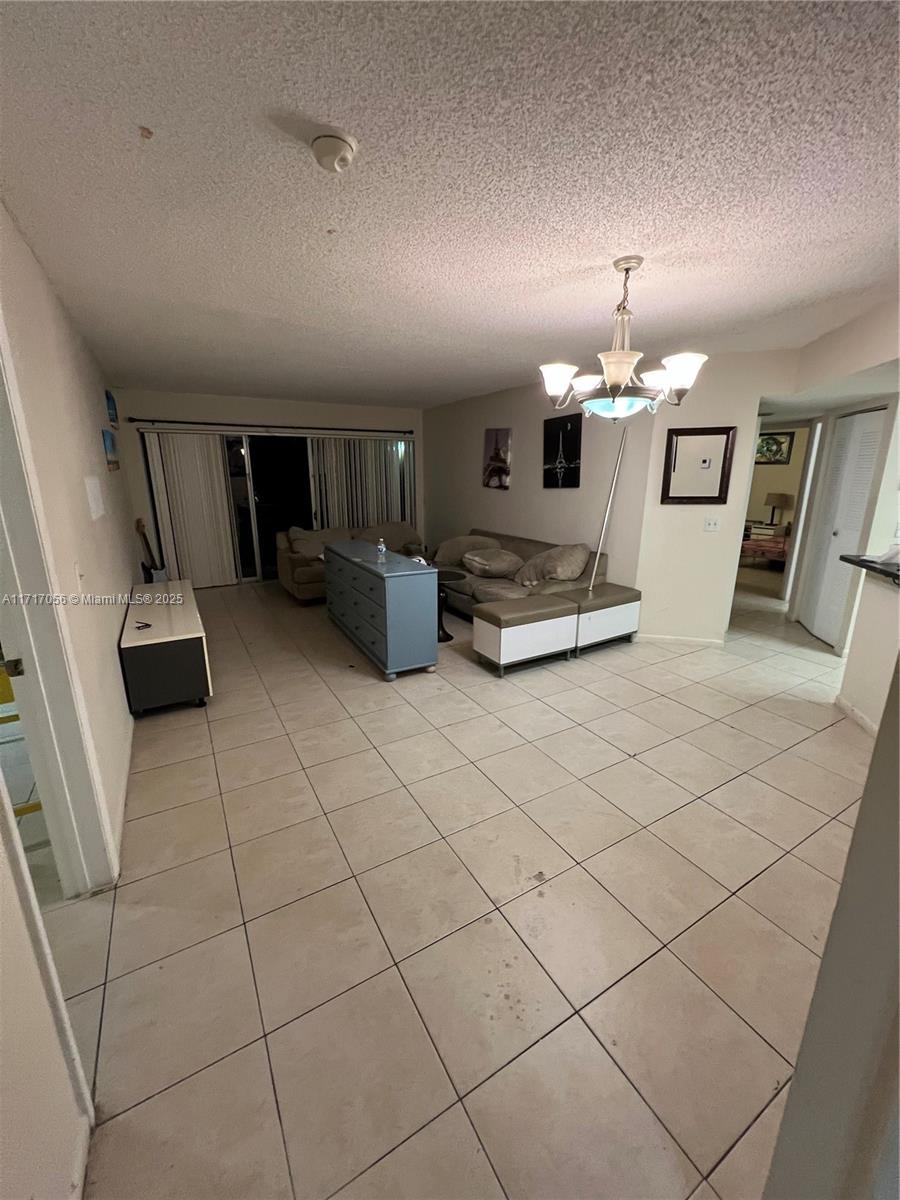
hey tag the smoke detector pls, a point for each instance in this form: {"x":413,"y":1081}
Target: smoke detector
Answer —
{"x":334,"y":151}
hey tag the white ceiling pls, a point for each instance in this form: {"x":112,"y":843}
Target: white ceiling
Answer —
{"x":507,"y":153}
{"x":870,"y":384}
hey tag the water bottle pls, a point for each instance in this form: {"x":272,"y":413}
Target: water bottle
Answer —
{"x":382,"y":548}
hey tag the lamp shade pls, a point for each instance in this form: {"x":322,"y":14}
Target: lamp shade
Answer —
{"x":683,"y":369}
{"x":557,"y":377}
{"x":779,"y":500}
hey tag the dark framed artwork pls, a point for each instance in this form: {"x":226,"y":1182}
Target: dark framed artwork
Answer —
{"x":775,"y":449}
{"x":495,"y":467}
{"x":562,"y":452}
{"x":697,"y":467}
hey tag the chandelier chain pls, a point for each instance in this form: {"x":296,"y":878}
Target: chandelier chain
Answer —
{"x":623,"y":303}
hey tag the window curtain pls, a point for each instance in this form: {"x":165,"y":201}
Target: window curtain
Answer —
{"x":357,"y":482}
{"x":195,"y":512}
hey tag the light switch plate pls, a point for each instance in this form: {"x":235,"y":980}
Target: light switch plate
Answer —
{"x":710,"y":524}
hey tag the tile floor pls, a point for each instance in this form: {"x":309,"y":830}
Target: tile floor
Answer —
{"x":551,"y":936}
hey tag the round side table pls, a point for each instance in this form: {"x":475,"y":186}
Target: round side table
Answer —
{"x":445,"y":575}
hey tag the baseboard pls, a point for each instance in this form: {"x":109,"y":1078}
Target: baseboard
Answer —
{"x":663,"y":638}
{"x":846,"y":707}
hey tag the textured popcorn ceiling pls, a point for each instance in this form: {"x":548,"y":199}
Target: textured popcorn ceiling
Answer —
{"x":507,"y":153}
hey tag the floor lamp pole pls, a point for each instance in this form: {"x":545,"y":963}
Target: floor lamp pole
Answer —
{"x":609,"y":500}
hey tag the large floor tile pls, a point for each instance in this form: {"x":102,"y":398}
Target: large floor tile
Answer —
{"x":320,"y":707}
{"x":581,"y":705}
{"x":777,"y":816}
{"x":743,"y":1172}
{"x":577,"y":672}
{"x":167,"y":912}
{"x":524,"y":773}
{"x":621,"y":693}
{"x":170,"y":838}
{"x":212,"y":1136}
{"x":534,"y":719}
{"x":759,"y":970}
{"x":667,"y":713}
{"x":809,"y":782}
{"x":810,"y":713}
{"x":170,"y":786}
{"x":328,"y":742}
{"x":84,"y":1014}
{"x":309,"y":951}
{"x":483,"y":998}
{"x":579,"y":819}
{"x":286,"y":865}
{"x":497,"y":695}
{"x":702,"y":1070}
{"x":580,"y":751}
{"x":657,"y":678}
{"x":639,"y":791}
{"x":234,"y":704}
{"x":449,"y":708}
{"x":482,"y":736}
{"x":79,"y":938}
{"x":731,"y":745}
{"x":539,"y":682}
{"x":567,"y":1093}
{"x":373,"y":697}
{"x":243,"y":729}
{"x":767,"y":726}
{"x":424,"y":754}
{"x":165,"y":1021}
{"x":417,"y":686}
{"x":797,"y":898}
{"x":849,"y":815}
{"x":583,"y":937}
{"x":689,"y":766}
{"x":375,"y":830}
{"x":421,"y":897}
{"x":827,"y":849}
{"x":655,"y":883}
{"x":356,"y":777}
{"x":252,"y":764}
{"x":458,"y":798}
{"x":160,"y":747}
{"x":722,"y":847}
{"x":392,"y":723}
{"x":707,"y":700}
{"x":443,"y":1161}
{"x":508,"y":854}
{"x":629,"y":733}
{"x":354,"y":1078}
{"x":844,"y":749}
{"x":261,"y":808}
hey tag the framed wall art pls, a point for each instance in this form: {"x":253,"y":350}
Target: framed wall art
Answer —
{"x":697,"y":467}
{"x":775,"y":449}
{"x":562,"y":452}
{"x":495,"y":466}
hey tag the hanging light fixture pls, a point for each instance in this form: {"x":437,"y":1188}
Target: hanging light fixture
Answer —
{"x":617,"y":392}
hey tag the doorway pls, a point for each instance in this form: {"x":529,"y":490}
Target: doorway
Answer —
{"x":281,"y":490}
{"x":839,"y":521}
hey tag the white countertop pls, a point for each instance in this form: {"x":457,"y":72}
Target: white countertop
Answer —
{"x":168,"y":620}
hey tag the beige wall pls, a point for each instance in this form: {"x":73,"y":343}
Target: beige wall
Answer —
{"x":245,"y":411}
{"x":767,"y":477}
{"x":687,"y":575}
{"x":63,"y":411}
{"x":44,"y":1131}
{"x":457,"y":501}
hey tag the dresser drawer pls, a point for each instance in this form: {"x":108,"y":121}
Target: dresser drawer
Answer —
{"x":368,"y":585}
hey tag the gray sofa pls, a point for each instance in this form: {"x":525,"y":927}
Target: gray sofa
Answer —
{"x":301,"y":569}
{"x":464,"y":594}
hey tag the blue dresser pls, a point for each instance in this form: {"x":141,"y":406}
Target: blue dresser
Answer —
{"x":385,"y":603}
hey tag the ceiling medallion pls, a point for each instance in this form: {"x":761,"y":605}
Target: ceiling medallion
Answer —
{"x":618,"y":392}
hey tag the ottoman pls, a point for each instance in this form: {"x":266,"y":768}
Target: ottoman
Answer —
{"x":512,"y":631}
{"x":608,"y":611}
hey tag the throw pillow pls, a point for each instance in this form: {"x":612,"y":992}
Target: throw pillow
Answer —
{"x":491,"y":563}
{"x":560,"y":562}
{"x":450,"y":553}
{"x":308,"y":547}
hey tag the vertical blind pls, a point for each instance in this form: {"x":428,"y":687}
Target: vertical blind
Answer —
{"x":361,"y":481}
{"x":198,"y":507}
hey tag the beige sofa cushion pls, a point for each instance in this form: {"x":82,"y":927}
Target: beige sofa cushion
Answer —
{"x":561,"y":562}
{"x":451,"y":552}
{"x":492,"y":563}
{"x":486,"y":590}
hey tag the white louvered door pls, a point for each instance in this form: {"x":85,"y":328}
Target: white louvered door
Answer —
{"x":846,"y":490}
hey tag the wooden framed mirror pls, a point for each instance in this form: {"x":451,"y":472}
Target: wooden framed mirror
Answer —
{"x":697,"y":467}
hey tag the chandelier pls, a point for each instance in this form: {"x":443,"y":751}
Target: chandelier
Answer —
{"x":618,"y":392}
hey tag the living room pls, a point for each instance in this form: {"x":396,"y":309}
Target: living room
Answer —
{"x":461,"y":817}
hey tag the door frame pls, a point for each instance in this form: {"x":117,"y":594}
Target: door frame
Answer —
{"x":52,"y":705}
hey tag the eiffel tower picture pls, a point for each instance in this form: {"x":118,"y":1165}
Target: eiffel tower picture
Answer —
{"x":495,"y":469}
{"x":562,"y":452}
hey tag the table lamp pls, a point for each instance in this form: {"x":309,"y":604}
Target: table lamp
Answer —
{"x":779,"y":500}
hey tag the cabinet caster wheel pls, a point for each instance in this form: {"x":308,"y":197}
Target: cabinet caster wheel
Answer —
{"x":388,"y":677}
{"x":430,"y":670}
{"x":201,"y":703}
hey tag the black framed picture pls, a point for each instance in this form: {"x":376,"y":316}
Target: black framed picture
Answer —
{"x":775,"y":449}
{"x":697,"y":468}
{"x":562,"y":452}
{"x":495,"y":465}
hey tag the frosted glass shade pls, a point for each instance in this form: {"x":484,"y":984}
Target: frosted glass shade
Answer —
{"x":683,"y":369}
{"x":658,"y":379}
{"x":557,"y":377}
{"x":586,"y":383}
{"x":618,"y":365}
{"x":614,"y":410}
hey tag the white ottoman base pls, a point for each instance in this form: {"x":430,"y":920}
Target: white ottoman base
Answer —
{"x":607,"y":623}
{"x":519,"y":643}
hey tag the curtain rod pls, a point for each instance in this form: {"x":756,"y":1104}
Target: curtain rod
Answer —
{"x":245,"y":426}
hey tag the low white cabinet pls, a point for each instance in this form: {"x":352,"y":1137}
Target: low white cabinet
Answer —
{"x":162,"y":647}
